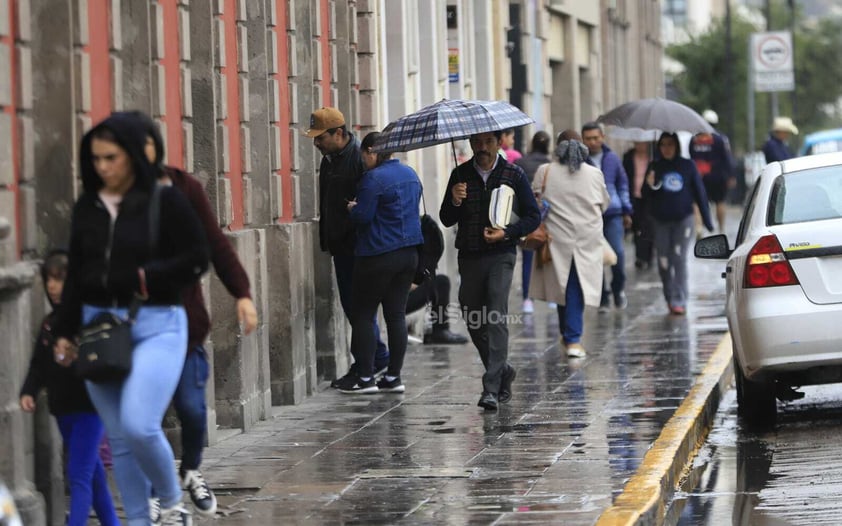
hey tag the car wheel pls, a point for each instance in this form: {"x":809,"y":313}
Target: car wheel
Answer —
{"x":756,"y":403}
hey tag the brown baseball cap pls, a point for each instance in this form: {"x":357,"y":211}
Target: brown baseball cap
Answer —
{"x":324,"y":119}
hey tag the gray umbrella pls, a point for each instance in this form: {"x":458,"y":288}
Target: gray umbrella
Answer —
{"x":656,"y":115}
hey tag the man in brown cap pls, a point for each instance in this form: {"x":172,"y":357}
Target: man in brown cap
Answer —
{"x":340,"y":171}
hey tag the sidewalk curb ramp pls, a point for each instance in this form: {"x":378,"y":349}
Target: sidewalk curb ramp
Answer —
{"x":648,"y":492}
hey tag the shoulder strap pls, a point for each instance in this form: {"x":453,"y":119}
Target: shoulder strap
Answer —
{"x":154,"y":233}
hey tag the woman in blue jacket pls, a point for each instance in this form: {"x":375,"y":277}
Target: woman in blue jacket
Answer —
{"x":385,"y":212}
{"x":672,"y":186}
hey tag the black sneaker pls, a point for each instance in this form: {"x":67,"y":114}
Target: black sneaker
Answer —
{"x":203,"y":498}
{"x":357,"y":385}
{"x":505,"y":393}
{"x":395,"y":386}
{"x":352,"y":373}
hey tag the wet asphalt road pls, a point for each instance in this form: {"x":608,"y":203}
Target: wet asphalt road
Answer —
{"x":789,"y":475}
{"x":572,"y":435}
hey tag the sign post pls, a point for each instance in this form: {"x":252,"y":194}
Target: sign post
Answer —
{"x":771,"y":60}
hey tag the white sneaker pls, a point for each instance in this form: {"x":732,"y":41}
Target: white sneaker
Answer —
{"x":528,"y":306}
{"x":575,"y":350}
{"x":175,"y":516}
{"x":155,"y":510}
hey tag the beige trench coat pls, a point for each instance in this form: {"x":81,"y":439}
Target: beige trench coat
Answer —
{"x":577,"y":201}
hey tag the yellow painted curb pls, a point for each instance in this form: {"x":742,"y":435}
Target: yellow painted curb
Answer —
{"x":643,"y":499}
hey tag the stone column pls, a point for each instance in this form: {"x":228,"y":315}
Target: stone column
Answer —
{"x":292,"y":336}
{"x":240,"y":366}
{"x":15,"y":298}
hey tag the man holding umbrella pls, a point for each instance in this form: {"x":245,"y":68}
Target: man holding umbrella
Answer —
{"x":487,"y":255}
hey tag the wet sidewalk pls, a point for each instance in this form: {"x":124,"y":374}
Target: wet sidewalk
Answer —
{"x":573,"y":434}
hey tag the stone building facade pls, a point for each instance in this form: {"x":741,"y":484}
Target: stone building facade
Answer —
{"x":232,"y":84}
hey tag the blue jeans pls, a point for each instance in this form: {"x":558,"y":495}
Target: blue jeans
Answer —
{"x":344,"y":266}
{"x":613,"y":230}
{"x":132,"y":409}
{"x":189,"y":402}
{"x":82,"y":433}
{"x":571,"y":315}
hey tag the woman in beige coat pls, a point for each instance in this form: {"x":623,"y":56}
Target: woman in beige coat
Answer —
{"x":577,"y":197}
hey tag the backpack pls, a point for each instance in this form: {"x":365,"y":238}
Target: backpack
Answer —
{"x":430,"y":251}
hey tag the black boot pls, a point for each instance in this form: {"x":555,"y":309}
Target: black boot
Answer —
{"x":443,"y":335}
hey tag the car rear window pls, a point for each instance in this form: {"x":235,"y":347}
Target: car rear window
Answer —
{"x":808,"y":195}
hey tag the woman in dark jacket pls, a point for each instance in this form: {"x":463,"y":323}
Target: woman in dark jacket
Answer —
{"x":80,"y":427}
{"x":110,"y":262}
{"x":672,"y":187}
{"x":388,"y":233}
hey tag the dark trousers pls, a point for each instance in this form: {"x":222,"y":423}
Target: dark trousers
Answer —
{"x":437,"y":292}
{"x":189,"y":403}
{"x":382,"y":279}
{"x":526,"y":271}
{"x":344,"y":267}
{"x":484,"y":296}
{"x":644,"y":236}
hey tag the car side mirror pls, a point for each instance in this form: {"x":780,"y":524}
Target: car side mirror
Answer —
{"x":712,"y":247}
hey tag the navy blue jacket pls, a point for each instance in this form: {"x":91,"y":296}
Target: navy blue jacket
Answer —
{"x":776,"y":150}
{"x":712,"y":156}
{"x":386,"y":213}
{"x":677,"y":186}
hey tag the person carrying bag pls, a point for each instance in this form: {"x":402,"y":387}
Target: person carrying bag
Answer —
{"x":105,"y":343}
{"x":112,"y":261}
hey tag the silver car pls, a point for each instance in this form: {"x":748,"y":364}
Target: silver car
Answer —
{"x":784,"y":283}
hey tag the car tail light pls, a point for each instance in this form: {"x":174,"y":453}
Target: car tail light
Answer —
{"x":767,"y":265}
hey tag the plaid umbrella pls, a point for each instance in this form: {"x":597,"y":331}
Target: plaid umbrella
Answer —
{"x":655,"y":115}
{"x":448,"y":120}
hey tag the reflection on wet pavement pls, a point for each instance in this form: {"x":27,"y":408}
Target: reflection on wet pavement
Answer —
{"x":572,"y":435}
{"x":789,"y":475}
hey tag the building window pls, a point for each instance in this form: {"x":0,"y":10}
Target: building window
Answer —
{"x":676,"y":10}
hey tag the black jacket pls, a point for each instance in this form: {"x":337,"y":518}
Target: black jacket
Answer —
{"x":66,"y":392}
{"x":339,"y":174}
{"x":104,"y":258}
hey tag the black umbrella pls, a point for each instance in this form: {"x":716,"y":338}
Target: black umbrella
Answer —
{"x":656,"y":115}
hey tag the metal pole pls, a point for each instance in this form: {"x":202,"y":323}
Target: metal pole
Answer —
{"x":793,"y":94}
{"x":773,"y":96}
{"x":750,"y":146}
{"x":729,"y":74}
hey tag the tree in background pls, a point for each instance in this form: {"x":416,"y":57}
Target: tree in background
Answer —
{"x":818,"y":74}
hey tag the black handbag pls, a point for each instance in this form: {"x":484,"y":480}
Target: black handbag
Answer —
{"x":105,"y":342}
{"x":105,"y":347}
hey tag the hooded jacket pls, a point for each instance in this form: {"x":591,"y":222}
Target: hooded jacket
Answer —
{"x":105,"y":256}
{"x":66,"y":391}
{"x":677,"y":187}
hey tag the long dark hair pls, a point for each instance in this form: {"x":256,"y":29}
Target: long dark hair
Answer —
{"x":368,"y":143}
